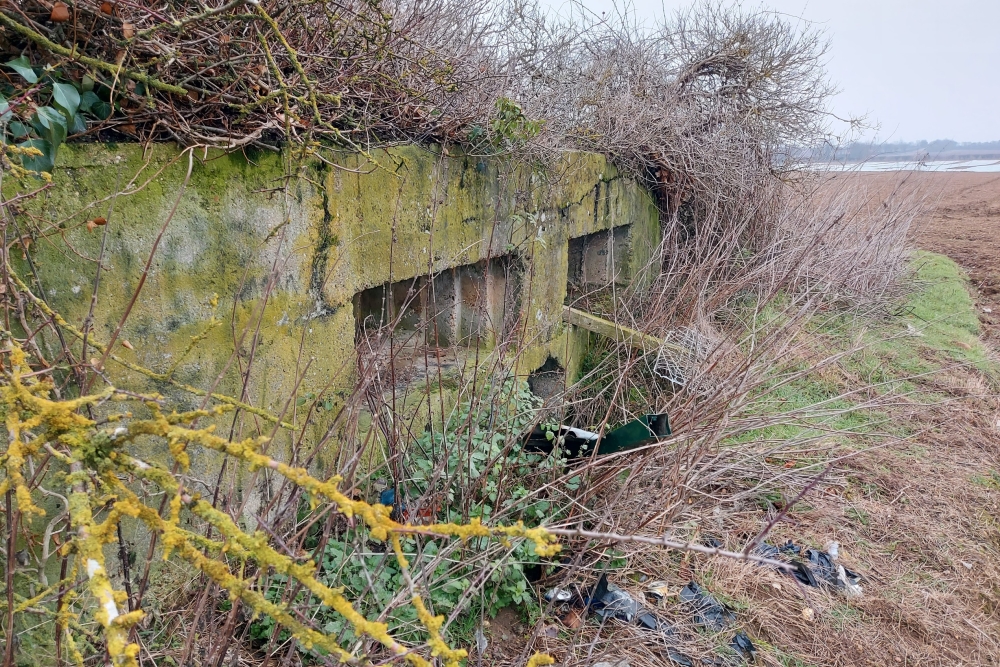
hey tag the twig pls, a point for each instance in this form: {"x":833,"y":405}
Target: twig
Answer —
{"x":664,"y":542}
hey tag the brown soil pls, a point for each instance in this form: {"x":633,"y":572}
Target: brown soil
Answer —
{"x":961,"y":219}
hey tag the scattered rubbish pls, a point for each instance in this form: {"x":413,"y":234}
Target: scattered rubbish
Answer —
{"x":808,"y":614}
{"x":558,"y":595}
{"x":388,"y":498}
{"x":550,"y":631}
{"x":967,"y":566}
{"x":608,"y":601}
{"x":987,"y":310}
{"x":617,"y":603}
{"x":775,"y":553}
{"x":850,"y":582}
{"x":600,"y":590}
{"x":420,"y":511}
{"x":708,"y":612}
{"x":620,"y":663}
{"x":481,"y":641}
{"x":813,"y":567}
{"x":659,"y":590}
{"x":679,"y":658}
{"x":741,"y":644}
{"x":638,"y":432}
{"x":651,"y":621}
{"x":822,"y":565}
{"x":680,"y":356}
{"x":573,"y":619}
{"x":577,"y":442}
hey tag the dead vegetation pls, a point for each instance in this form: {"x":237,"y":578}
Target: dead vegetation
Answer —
{"x":782,"y":287}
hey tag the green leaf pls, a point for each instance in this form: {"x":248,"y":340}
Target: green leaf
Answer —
{"x":101,"y":109}
{"x":39,"y":163}
{"x":66,"y":98}
{"x":87,"y":83}
{"x":78,"y":125}
{"x":53,"y":125}
{"x":23,"y":67}
{"x":88,"y":100}
{"x":19,"y":130}
{"x":5,"y":112}
{"x":48,"y":116}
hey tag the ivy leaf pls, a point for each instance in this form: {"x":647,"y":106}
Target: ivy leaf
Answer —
{"x":53,"y":125}
{"x":88,"y":100}
{"x":78,"y":125}
{"x":94,"y":105}
{"x":23,"y":67}
{"x":66,"y":98}
{"x":101,"y":109}
{"x":19,"y":129}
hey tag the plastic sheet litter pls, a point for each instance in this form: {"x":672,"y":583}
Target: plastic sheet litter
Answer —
{"x":481,"y":642}
{"x":708,"y":612}
{"x":617,"y":603}
{"x":813,"y":567}
{"x":608,"y":601}
{"x":741,"y":644}
{"x":577,"y":442}
{"x":388,"y":498}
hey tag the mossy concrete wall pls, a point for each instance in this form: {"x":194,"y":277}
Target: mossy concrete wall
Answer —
{"x":285,"y":244}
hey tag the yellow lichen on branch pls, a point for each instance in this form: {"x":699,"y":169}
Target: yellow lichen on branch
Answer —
{"x":99,"y":464}
{"x":540,"y":659}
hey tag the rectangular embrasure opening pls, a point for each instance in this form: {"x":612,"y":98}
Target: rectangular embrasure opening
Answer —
{"x":596,"y":261}
{"x":439,"y":316}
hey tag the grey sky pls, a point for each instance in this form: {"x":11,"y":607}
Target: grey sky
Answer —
{"x":920,"y":69}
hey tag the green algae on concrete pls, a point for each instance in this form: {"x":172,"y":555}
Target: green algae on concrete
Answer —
{"x":276,"y":249}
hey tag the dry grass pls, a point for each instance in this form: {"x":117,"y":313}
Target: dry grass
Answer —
{"x":913,"y":510}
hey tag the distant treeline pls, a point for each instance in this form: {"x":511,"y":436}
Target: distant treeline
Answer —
{"x":940,"y":149}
